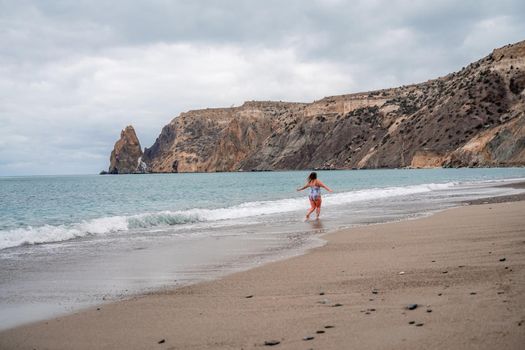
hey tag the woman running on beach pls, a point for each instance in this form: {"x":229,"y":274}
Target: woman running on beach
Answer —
{"x":315,"y":194}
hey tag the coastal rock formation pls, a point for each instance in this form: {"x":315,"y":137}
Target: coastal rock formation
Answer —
{"x":126,"y":157}
{"x":474,"y":117}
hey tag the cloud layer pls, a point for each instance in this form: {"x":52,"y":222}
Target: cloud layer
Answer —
{"x":73,"y":74}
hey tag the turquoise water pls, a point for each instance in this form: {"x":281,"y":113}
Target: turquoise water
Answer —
{"x":68,"y":242}
{"x":54,"y":208}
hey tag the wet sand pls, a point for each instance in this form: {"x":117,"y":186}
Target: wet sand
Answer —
{"x":464,"y":268}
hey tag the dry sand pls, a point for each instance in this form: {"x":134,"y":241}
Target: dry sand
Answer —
{"x":467,"y":298}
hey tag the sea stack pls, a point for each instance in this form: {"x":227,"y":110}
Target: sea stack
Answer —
{"x":126,"y":157}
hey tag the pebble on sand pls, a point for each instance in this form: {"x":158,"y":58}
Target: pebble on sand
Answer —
{"x":502,"y":259}
{"x":374,"y":291}
{"x":249,"y":296}
{"x":308,"y":338}
{"x":419,"y":324}
{"x":411,"y":322}
{"x":329,"y":326}
{"x":411,"y":306}
{"x":336,"y":305}
{"x":319,"y":332}
{"x":271,"y":342}
{"x":161,"y":341}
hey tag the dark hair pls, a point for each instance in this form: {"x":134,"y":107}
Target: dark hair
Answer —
{"x":312,"y":176}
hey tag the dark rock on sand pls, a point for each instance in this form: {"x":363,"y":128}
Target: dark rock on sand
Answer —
{"x":329,"y":326}
{"x":502,"y":259}
{"x":308,"y":338}
{"x":272,"y":342}
{"x":319,"y":332}
{"x":411,"y":322}
{"x":419,"y":324}
{"x":337,"y":305}
{"x":162,"y":341}
{"x":429,"y":310}
{"x":249,"y":296}
{"x":411,"y":306}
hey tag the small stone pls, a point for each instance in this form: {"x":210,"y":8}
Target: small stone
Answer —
{"x":460,"y":266}
{"x":419,"y":324}
{"x":320,"y":332}
{"x":411,"y":322}
{"x":444,"y":271}
{"x":501,"y":292}
{"x":473,"y":293}
{"x":367,"y":313}
{"x":98,"y":309}
{"x":322,"y":293}
{"x":429,"y":310}
{"x":502,"y":259}
{"x":329,"y":326}
{"x":440,"y":294}
{"x":371,"y":309}
{"x":249,"y":296}
{"x":411,"y":306}
{"x":337,"y":305}
{"x":271,"y":342}
{"x":506,"y":267}
{"x":433,"y":260}
{"x":374,"y":291}
{"x":308,"y":338}
{"x":401,"y":273}
{"x":161,"y":341}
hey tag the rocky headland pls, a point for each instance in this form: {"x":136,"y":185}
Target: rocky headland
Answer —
{"x":471,"y":118}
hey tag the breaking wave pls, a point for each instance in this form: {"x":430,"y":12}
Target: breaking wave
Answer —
{"x":121,"y":224}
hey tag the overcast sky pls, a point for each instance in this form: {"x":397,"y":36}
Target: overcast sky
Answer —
{"x":74,"y":73}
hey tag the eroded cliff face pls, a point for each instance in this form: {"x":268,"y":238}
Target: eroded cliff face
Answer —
{"x":474,"y":117}
{"x":127,"y":153}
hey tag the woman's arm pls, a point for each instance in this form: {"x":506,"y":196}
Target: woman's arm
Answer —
{"x":302,"y":188}
{"x":324,"y":186}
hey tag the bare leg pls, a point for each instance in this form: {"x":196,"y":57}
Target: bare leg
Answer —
{"x":318,"y":208}
{"x":311,"y":210}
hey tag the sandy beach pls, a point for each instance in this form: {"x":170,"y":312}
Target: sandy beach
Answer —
{"x":463,"y":267}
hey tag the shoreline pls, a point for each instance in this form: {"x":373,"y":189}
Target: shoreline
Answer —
{"x":299,"y":300}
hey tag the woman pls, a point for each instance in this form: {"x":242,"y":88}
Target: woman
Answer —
{"x":315,"y":194}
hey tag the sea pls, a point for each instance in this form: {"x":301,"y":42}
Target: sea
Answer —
{"x":71,"y":242}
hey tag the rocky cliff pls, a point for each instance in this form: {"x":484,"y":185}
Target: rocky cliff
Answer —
{"x":474,"y":117}
{"x":126,"y":157}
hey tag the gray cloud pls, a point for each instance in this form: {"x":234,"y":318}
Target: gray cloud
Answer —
{"x":72,"y":74}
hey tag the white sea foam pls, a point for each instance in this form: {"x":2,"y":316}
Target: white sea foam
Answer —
{"x":121,"y":224}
